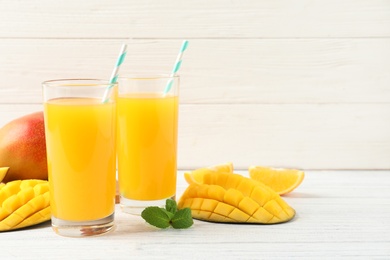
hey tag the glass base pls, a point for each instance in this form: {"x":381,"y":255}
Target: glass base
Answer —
{"x":136,"y":207}
{"x":82,"y":228}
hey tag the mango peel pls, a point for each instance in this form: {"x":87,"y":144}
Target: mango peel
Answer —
{"x":233,"y":198}
{"x":24,"y":203}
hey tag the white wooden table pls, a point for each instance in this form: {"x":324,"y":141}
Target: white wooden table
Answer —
{"x":340,"y":214}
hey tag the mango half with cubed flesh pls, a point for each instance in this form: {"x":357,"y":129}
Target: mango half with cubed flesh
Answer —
{"x":233,"y":198}
{"x":24,"y":203}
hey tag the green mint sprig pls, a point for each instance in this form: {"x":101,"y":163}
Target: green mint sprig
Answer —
{"x":168,"y":216}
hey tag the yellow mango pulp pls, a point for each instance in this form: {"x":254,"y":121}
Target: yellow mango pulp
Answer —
{"x":229,"y":197}
{"x":24,"y":203}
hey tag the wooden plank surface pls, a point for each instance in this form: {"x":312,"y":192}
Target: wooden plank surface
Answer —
{"x":303,"y":83}
{"x":194,"y":19}
{"x":213,"y":71}
{"x":304,"y":136}
{"x":340,"y":214}
{"x":307,"y":136}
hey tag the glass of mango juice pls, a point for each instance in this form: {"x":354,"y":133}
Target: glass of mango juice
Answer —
{"x":147,"y":121}
{"x":80,"y":128}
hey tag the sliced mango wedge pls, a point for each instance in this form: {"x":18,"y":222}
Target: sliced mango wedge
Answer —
{"x":3,"y":172}
{"x":230,"y":197}
{"x":24,"y":203}
{"x":196,"y":176}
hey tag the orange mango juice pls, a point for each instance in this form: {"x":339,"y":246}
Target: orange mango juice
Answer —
{"x":81,"y":155}
{"x":147,"y":145}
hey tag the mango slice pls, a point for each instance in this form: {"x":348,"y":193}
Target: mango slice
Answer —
{"x":196,"y":176}
{"x":24,"y":203}
{"x":3,"y":172}
{"x":233,"y":198}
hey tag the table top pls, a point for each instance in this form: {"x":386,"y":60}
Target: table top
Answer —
{"x":340,"y":214}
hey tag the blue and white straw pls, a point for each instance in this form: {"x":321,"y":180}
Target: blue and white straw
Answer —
{"x":176,"y":67}
{"x":115,"y":72}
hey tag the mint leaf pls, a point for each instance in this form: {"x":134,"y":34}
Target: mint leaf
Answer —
{"x":182,"y":219}
{"x":169,"y":214}
{"x":165,"y":217}
{"x":171,"y":206}
{"x":156,"y":216}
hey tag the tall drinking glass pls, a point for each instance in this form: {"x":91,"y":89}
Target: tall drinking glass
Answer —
{"x":80,"y":127}
{"x":147,"y":140}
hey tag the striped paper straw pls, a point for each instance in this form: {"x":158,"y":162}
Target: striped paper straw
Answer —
{"x":176,"y":67}
{"x":115,"y":72}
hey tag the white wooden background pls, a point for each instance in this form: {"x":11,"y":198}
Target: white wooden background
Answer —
{"x":302,"y":83}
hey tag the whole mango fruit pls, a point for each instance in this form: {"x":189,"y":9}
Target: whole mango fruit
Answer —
{"x":23,"y":148}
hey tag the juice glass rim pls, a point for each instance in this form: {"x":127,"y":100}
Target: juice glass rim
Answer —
{"x":77,"y":82}
{"x":148,"y":76}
